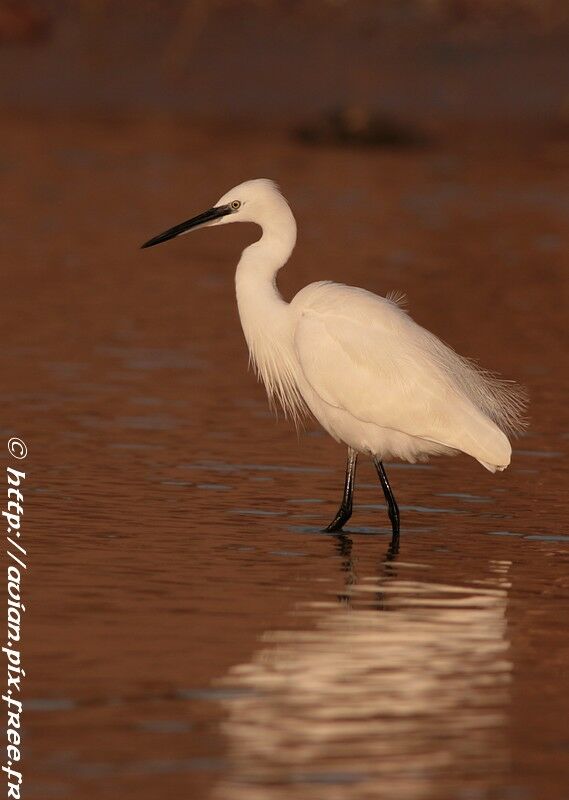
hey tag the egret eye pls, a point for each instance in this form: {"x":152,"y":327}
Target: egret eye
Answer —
{"x":235,"y":205}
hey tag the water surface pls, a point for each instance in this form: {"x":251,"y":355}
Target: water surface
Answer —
{"x":190,"y":631}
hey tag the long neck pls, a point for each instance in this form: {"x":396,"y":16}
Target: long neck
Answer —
{"x":264,"y":313}
{"x":258,"y":298}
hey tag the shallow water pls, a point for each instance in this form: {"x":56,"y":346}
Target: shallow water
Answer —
{"x":190,"y":631}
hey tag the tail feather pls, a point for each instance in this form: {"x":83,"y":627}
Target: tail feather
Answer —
{"x":504,"y":402}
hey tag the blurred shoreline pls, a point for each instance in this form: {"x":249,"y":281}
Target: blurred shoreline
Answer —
{"x":493,"y":62}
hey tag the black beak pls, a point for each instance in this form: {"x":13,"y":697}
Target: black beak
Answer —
{"x":208,"y":216}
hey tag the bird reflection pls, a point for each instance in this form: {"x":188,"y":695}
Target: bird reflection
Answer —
{"x":410,"y":704}
{"x":344,"y":546}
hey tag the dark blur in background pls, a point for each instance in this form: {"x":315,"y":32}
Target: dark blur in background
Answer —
{"x":189,"y":631}
{"x":428,"y":59}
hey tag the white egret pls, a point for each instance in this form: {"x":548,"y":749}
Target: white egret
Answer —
{"x":375,"y":380}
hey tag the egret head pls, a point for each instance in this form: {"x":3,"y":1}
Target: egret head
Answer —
{"x":252,"y":201}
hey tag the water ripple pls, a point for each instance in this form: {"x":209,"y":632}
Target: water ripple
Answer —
{"x":387,"y":695}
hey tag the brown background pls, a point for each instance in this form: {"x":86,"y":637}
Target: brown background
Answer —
{"x":188,"y":629}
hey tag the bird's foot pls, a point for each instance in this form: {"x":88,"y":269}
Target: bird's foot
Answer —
{"x":334,"y":527}
{"x":339,"y":520}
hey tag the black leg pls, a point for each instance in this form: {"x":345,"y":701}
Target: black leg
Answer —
{"x":392,"y":508}
{"x":345,"y":510}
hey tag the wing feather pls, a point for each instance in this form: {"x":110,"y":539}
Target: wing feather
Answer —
{"x":364,"y":354}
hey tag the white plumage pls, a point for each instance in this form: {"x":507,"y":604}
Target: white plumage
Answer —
{"x":364,"y":356}
{"x":372,"y":377}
